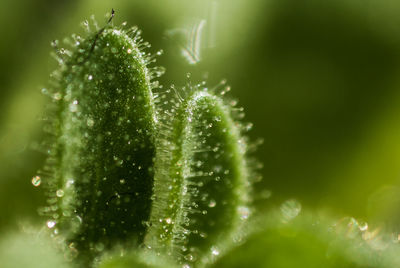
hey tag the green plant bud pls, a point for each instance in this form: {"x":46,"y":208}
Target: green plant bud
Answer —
{"x":202,"y":179}
{"x":100,"y":165}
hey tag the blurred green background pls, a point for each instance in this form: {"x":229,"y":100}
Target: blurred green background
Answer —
{"x":319,"y":80}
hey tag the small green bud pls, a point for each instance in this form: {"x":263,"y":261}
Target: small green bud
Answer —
{"x":100,"y":165}
{"x":201,"y":182}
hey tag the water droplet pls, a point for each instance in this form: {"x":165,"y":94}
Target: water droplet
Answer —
{"x":160,"y":52}
{"x":36,"y":181}
{"x":168,"y":220}
{"x":290,"y":209}
{"x":190,"y":257}
{"x":122,"y":181}
{"x":118,"y":161}
{"x":248,"y":126}
{"x":110,"y":76}
{"x":90,"y":77}
{"x":90,"y":122}
{"x":203,"y":234}
{"x":363,"y":226}
{"x":212,"y":203}
{"x":129,"y":51}
{"x":50,"y":224}
{"x":233,"y":103}
{"x":214,"y":251}
{"x":265,"y":194}
{"x":73,"y":107}
{"x":79,"y":219}
{"x":69,"y":183}
{"x":244,"y":212}
{"x":57,"y":96}
{"x":60,"y":193}
{"x":99,"y":247}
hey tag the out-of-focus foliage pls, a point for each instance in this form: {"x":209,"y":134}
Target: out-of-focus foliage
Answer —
{"x":29,"y":248}
{"x":312,"y":241}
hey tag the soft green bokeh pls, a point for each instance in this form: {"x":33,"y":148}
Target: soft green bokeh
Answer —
{"x":30,"y":248}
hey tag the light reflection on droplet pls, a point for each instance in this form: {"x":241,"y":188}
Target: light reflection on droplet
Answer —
{"x":212,"y":203}
{"x":160,"y":52}
{"x":363,"y":226}
{"x":290,"y":209}
{"x":90,"y":122}
{"x":60,"y":193}
{"x":73,"y":107}
{"x":50,"y":224}
{"x":244,"y":212}
{"x":57,"y":96}
{"x":69,"y":183}
{"x":36,"y":181}
{"x":214,"y":251}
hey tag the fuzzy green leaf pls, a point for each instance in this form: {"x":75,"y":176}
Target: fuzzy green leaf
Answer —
{"x":201,"y":181}
{"x":101,"y":163}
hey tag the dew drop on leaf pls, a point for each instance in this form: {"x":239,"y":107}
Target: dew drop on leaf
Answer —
{"x":363,"y":226}
{"x":60,"y":193}
{"x":99,"y":247}
{"x":69,"y":183}
{"x":73,"y":107}
{"x":214,"y":251}
{"x":57,"y":96}
{"x":36,"y":181}
{"x":290,"y":209}
{"x":90,"y":122}
{"x":50,"y":224}
{"x":244,"y":212}
{"x":212,"y":203}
